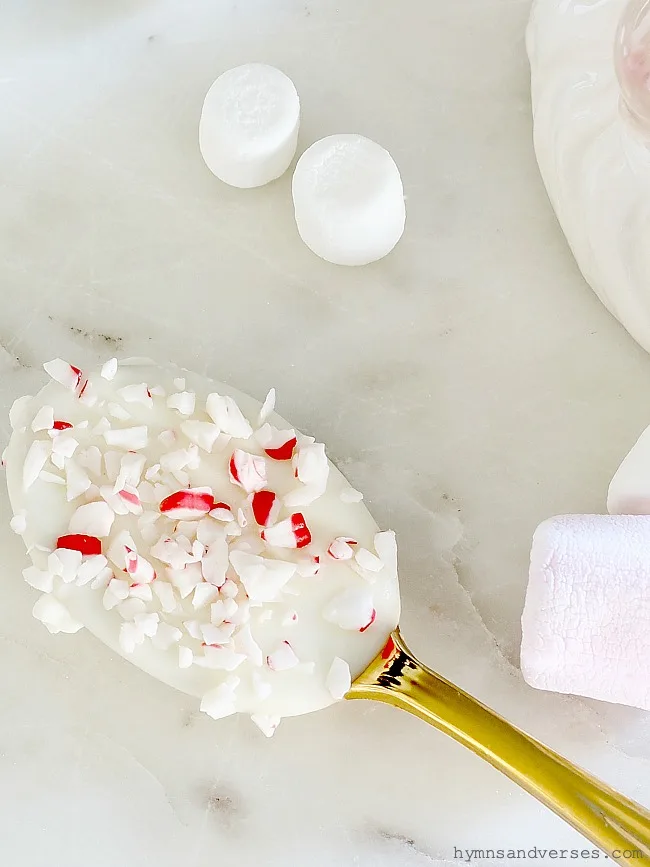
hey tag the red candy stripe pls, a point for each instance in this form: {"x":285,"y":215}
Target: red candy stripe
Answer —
{"x":88,"y":545}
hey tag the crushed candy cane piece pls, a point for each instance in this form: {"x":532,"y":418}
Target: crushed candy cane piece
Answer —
{"x":352,"y":609}
{"x":64,"y":445}
{"x":76,"y":479}
{"x":19,"y":522}
{"x":139,"y":568}
{"x":128,"y":437}
{"x":186,"y":579}
{"x":341,"y":549}
{"x":369,"y":561}
{"x":109,"y":369}
{"x":183,"y":401}
{"x":247,"y":471}
{"x":246,"y":644}
{"x":204,"y":594}
{"x":185,"y":657}
{"x":338,"y":680}
{"x":92,"y":519}
{"x":350,"y":495}
{"x":262,"y":578}
{"x":64,"y":562}
{"x":115,"y":410}
{"x":308,"y":568}
{"x":266,"y":507}
{"x":63,"y":373}
{"x":54,"y":615}
{"x":87,"y":545}
{"x":227,"y":416}
{"x":136,"y":393}
{"x":282,"y":658}
{"x":165,"y":593}
{"x":90,"y":568}
{"x":44,"y":419}
{"x":38,"y":453}
{"x":39,"y":579}
{"x":222,"y":512}
{"x":166,"y":636}
{"x":293,"y":532}
{"x":58,"y":424}
{"x":91,"y":460}
{"x":220,"y":658}
{"x":373,"y":617}
{"x":220,"y":701}
{"x":266,"y":724}
{"x":187,"y":504}
{"x":204,"y":434}
{"x":18,"y":414}
{"x":131,"y":636}
{"x":267,"y":407}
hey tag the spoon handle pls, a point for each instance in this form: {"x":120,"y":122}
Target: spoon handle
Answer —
{"x":619,"y":826}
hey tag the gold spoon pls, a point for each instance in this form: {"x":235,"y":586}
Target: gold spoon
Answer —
{"x":619,"y":826}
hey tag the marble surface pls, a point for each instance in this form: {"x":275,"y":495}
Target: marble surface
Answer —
{"x":470,"y":384}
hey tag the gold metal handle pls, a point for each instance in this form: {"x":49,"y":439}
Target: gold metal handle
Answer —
{"x":619,"y":826}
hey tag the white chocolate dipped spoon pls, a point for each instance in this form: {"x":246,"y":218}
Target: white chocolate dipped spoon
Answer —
{"x":209,"y":543}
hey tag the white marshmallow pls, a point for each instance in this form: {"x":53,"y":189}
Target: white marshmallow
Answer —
{"x":249,"y":125}
{"x":348,"y":200}
{"x":629,"y":490}
{"x":586,"y":621}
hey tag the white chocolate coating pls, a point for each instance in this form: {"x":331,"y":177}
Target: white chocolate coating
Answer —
{"x":348,"y":200}
{"x":249,"y":125}
{"x":303,"y":611}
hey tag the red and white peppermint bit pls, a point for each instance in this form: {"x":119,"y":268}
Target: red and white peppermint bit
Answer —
{"x":185,"y":657}
{"x":183,"y":402}
{"x":338,"y":680}
{"x":282,"y":658}
{"x":157,"y":391}
{"x":44,"y":419}
{"x":39,"y":452}
{"x":278,"y":444}
{"x":59,"y":424}
{"x":128,"y":437}
{"x":247,"y":471}
{"x":309,"y":567}
{"x":87,"y":545}
{"x":204,"y":434}
{"x":352,"y":609}
{"x":266,"y":723}
{"x":267,"y":407}
{"x":76,"y":479}
{"x":63,"y":373}
{"x":373,"y":617}
{"x":93,"y":519}
{"x":341,"y":549}
{"x":136,"y":393}
{"x":141,"y":592}
{"x":113,"y":500}
{"x":222,"y":512}
{"x":293,"y":532}
{"x":187,"y":504}
{"x":109,"y":369}
{"x":266,"y":507}
{"x":39,"y":579}
{"x":228,"y":417}
{"x":131,"y":499}
{"x":220,"y":701}
{"x":139,"y":568}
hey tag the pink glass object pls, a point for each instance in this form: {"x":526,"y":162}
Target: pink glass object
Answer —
{"x":632,"y":60}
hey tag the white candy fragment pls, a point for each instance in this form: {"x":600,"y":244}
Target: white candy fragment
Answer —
{"x":221,"y":658}
{"x":18,"y":414}
{"x":38,"y":453}
{"x":220,"y":701}
{"x":203,"y":595}
{"x":183,"y":402}
{"x":351,"y":495}
{"x":136,"y":393}
{"x":54,"y":615}
{"x":266,"y":724}
{"x":128,"y":437}
{"x":246,"y":644}
{"x":90,"y":569}
{"x":227,"y":416}
{"x":76,"y":479}
{"x":338,"y":679}
{"x":352,"y":609}
{"x":64,"y":445}
{"x":249,"y":125}
{"x":369,"y":561}
{"x":312,"y":469}
{"x":247,"y":471}
{"x":204,"y":434}
{"x":44,"y":419}
{"x":19,"y":522}
{"x":109,"y":369}
{"x":65,"y":563}
{"x":185,"y":657}
{"x":39,"y":579}
{"x":64,"y":373}
{"x":92,"y":519}
{"x":282,"y":658}
{"x":262,"y":578}
{"x":267,"y":407}
{"x":115,"y":410}
{"x":348,"y":200}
